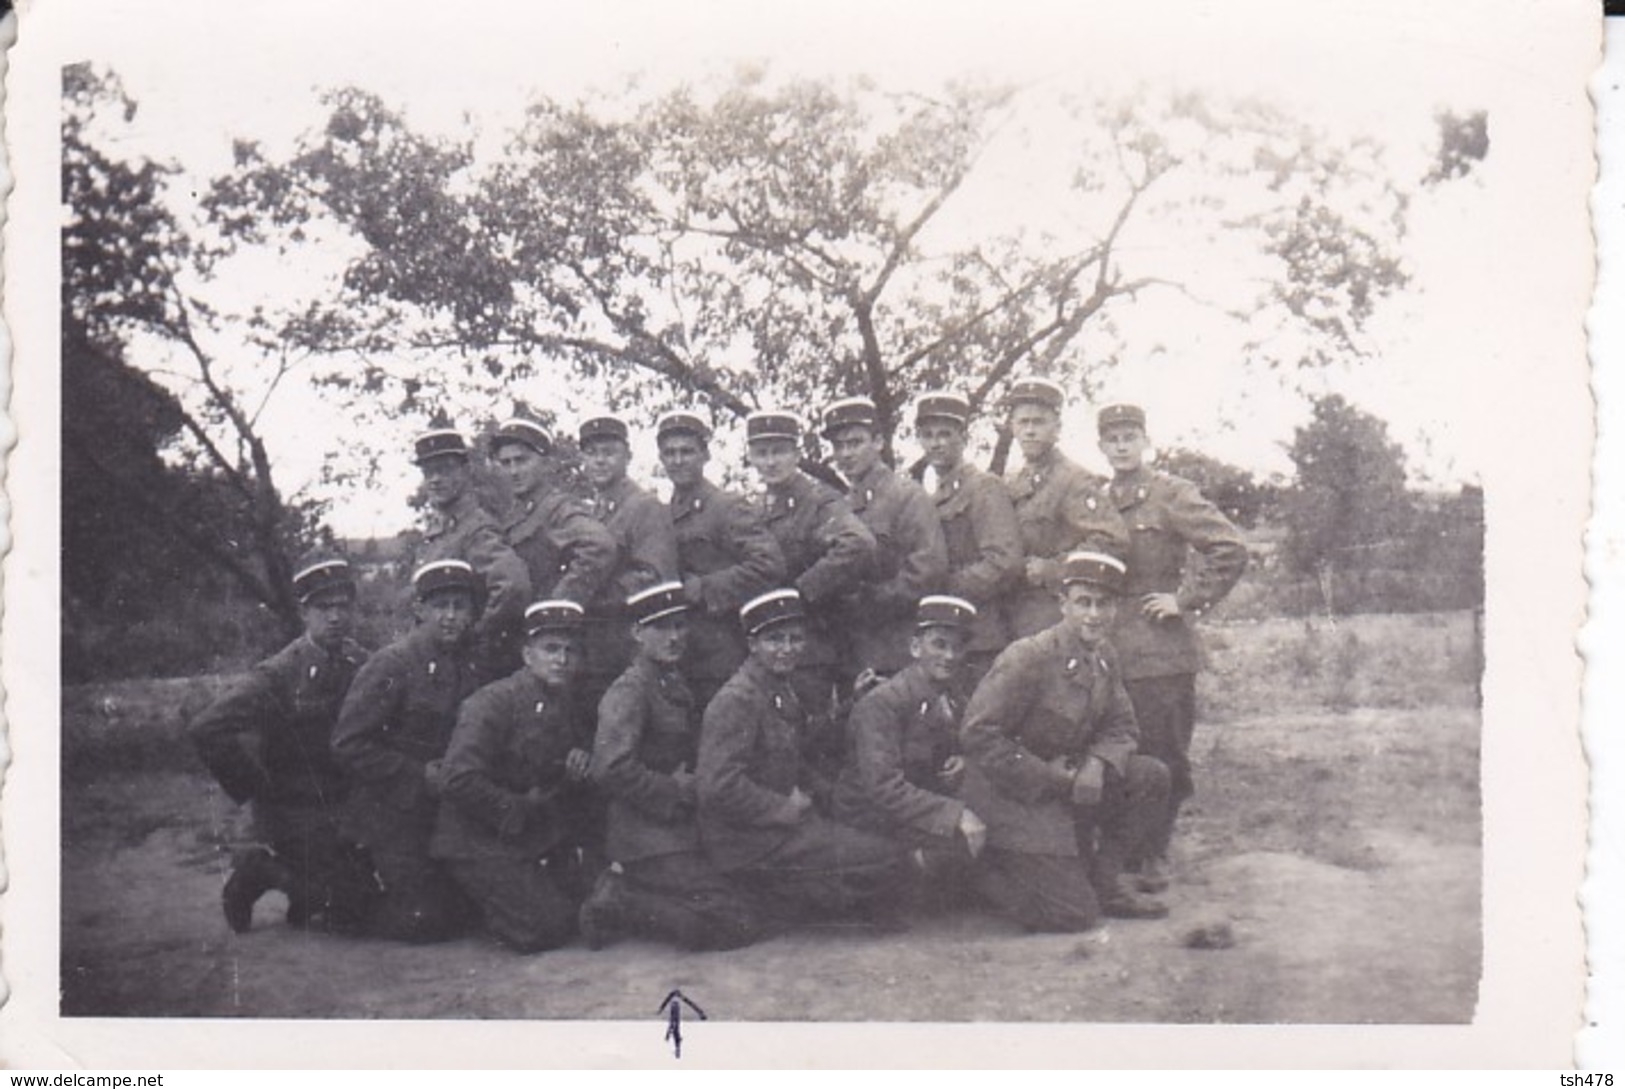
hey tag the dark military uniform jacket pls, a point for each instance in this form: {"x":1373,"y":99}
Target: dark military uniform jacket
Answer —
{"x":648,"y":729}
{"x":726,"y":557}
{"x":1046,"y":706}
{"x":1169,"y":521}
{"x":645,"y":540}
{"x":827,"y":552}
{"x":1060,"y":506}
{"x":910,"y":561}
{"x":984,"y":547}
{"x":751,"y":758}
{"x":901,"y":734}
{"x":396,"y":721}
{"x":269,"y":738}
{"x":467,"y":532}
{"x":567,"y":552}
{"x":507,"y":795}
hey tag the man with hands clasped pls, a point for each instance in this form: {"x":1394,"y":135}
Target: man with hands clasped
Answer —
{"x":904,"y":769}
{"x":516,"y":809}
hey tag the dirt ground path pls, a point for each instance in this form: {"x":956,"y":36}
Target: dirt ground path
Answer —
{"x":1339,"y":853}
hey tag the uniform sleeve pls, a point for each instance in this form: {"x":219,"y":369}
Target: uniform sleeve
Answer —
{"x":727,"y":792}
{"x":622,"y":716}
{"x":923,"y":559}
{"x":998,"y":545}
{"x":1117,"y":736}
{"x":1003,"y":699}
{"x":229,"y":734}
{"x":651,"y":548}
{"x":588,"y":549}
{"x":846,"y":549}
{"x":375,"y":699}
{"x":877,"y":732}
{"x":477,"y":746}
{"x":507,"y":582}
{"x":1220,"y":554}
{"x":759,"y":567}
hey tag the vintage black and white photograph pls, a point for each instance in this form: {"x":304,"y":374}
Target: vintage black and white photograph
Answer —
{"x":961,"y":514}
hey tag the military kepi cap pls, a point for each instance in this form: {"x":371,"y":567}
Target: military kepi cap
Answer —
{"x":1096,"y":568}
{"x":520,"y":430}
{"x":850,"y":412}
{"x":431,"y":578}
{"x":1037,"y":391}
{"x":1120,"y":416}
{"x":324,"y":580}
{"x":773,"y":607}
{"x":439,"y":443}
{"x":943,"y":611}
{"x":772,"y":424}
{"x":941,"y":405}
{"x":666,"y":599}
{"x":681,"y":423}
{"x":557,"y":615}
{"x":603,"y":427}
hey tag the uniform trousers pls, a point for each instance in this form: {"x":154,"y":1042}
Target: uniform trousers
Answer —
{"x":417,"y":901}
{"x":1165,"y":708}
{"x":528,"y":904}
{"x":1046,"y":892}
{"x":323,"y":874}
{"x":680,"y":898}
{"x":826,"y":869}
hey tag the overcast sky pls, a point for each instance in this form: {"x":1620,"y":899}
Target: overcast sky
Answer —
{"x":207,"y":73}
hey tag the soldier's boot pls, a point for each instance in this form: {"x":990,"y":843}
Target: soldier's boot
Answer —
{"x":602,"y":918}
{"x":1123,"y":901}
{"x":254,"y":875}
{"x":1154,"y":875}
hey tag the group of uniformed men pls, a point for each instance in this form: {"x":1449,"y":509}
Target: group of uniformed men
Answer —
{"x":705,"y":719}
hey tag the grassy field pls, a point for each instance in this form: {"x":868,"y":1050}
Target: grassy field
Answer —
{"x":1334,"y":844}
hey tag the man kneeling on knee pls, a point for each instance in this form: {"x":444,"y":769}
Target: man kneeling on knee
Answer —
{"x":1050,"y":739}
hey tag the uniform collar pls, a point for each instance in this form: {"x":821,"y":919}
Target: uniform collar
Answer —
{"x":611,"y":498}
{"x":791,"y":494}
{"x":776,"y":687}
{"x":1132,"y":487}
{"x":690,"y":500}
{"x":1077,"y":660}
{"x":443,"y":521}
{"x":867,"y":486}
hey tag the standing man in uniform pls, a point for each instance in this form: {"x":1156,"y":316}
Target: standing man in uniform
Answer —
{"x":567,"y":552}
{"x":515,"y":808}
{"x":458,"y":528}
{"x":904,"y":770}
{"x":391,"y":734}
{"x":660,"y":883}
{"x":1050,"y":741}
{"x":646,"y":547}
{"x":828,"y":553}
{"x":911,"y":557}
{"x":985,"y":558}
{"x":762,"y":799}
{"x":725,"y":554}
{"x":268,"y":742}
{"x":1170,"y":524}
{"x":1060,"y":506}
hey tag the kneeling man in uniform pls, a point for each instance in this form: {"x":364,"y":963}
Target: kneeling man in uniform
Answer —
{"x":761,"y":796}
{"x":516,"y":805}
{"x":660,"y":883}
{"x":904,"y":769}
{"x":1050,"y":740}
